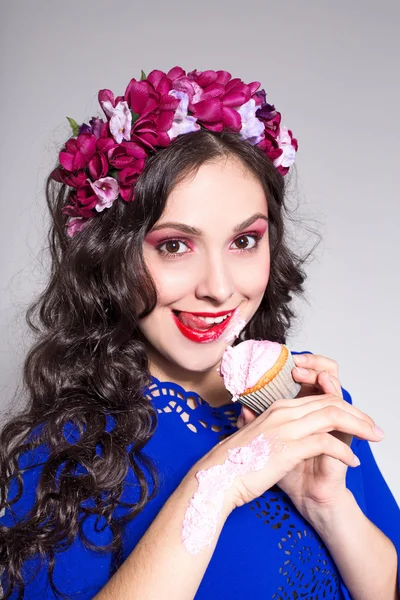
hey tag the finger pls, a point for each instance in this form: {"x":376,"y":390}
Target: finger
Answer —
{"x":322,"y":443}
{"x":330,"y":418}
{"x":309,"y":377}
{"x":317,"y":363}
{"x":309,"y":404}
{"x":246,"y":416}
{"x":329,"y":384}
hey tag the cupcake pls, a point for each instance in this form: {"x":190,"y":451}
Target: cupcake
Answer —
{"x":258,"y":372}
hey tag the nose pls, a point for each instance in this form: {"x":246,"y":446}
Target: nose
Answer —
{"x":215,"y":281}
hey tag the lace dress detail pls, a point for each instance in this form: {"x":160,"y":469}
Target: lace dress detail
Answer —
{"x":306,"y":567}
{"x":266,"y":550}
{"x":298,"y":564}
{"x":194,"y":412}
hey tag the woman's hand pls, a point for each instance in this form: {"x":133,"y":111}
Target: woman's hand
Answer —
{"x":308,"y":367}
{"x":308,"y":457}
{"x":318,"y":482}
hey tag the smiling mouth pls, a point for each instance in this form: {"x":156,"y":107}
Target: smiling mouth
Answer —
{"x":202,"y":327}
{"x":200,"y":322}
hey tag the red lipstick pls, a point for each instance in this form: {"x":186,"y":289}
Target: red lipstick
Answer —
{"x":213,"y":315}
{"x":207,"y":335}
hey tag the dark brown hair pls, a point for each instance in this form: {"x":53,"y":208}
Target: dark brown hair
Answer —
{"x":88,"y":366}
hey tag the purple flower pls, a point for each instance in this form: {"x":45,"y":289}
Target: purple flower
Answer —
{"x":107,"y":190}
{"x":182,"y":123}
{"x":120,"y":120}
{"x":84,"y":128}
{"x":266,"y":111}
{"x":252,"y":129}
{"x":97,"y":126}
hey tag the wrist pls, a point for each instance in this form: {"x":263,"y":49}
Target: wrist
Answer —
{"x":326,"y":518}
{"x":190,"y":485}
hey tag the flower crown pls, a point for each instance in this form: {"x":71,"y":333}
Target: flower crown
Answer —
{"x":104,"y":159}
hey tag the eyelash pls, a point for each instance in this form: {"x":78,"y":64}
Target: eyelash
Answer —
{"x":257,"y":237}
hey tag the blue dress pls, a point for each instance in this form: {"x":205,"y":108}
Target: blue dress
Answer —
{"x":266,"y":549}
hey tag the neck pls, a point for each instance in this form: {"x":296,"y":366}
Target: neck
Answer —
{"x":208,"y":384}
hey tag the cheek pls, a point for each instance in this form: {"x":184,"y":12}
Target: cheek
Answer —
{"x":252,"y":278}
{"x":172,"y":280}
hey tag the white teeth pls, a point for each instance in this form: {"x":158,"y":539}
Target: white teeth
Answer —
{"x":211,"y":320}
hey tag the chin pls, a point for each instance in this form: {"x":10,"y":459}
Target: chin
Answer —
{"x":190,"y":359}
{"x":200,"y":362}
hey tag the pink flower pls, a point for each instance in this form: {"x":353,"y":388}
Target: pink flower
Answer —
{"x":78,"y":152}
{"x":141,"y":97}
{"x":126,"y":154}
{"x":86,"y":198}
{"x":120,"y":120}
{"x":127,"y":179}
{"x":182,"y":83}
{"x":160,"y":81}
{"x":272,"y":126}
{"x":222,"y":96}
{"x":98,"y":166}
{"x":154,"y":111}
{"x":74,"y":180}
{"x":156,"y":108}
{"x":76,"y":209}
{"x":106,"y":190}
{"x":75,"y":225}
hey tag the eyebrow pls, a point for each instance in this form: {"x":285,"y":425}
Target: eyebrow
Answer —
{"x":195,"y":231}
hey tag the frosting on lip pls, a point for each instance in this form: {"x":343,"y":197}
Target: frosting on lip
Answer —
{"x":242,"y":366}
{"x":235,"y":326}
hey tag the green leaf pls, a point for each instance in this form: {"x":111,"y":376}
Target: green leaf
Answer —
{"x":74,"y":126}
{"x":113,"y":173}
{"x":134,"y":117}
{"x":142,"y":76}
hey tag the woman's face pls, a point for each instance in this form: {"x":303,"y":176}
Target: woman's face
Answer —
{"x":208,"y":254}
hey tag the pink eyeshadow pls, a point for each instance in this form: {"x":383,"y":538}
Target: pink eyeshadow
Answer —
{"x":156,"y":238}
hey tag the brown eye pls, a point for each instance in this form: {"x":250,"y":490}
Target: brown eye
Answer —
{"x":246,"y":242}
{"x":172,"y":246}
{"x":242,"y":242}
{"x":175,"y":247}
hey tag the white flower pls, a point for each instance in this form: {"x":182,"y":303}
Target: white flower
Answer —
{"x":121,"y":120}
{"x":182,"y":123}
{"x":252,"y":128}
{"x":287,"y":158}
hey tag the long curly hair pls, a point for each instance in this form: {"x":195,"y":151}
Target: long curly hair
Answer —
{"x":88,"y":366}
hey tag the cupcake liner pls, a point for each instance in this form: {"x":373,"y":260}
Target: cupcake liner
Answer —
{"x":281,"y":386}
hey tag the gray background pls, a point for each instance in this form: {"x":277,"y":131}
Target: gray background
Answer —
{"x":331,"y":69}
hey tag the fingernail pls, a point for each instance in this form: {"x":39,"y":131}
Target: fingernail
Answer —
{"x":378,"y":431}
{"x":300,"y":358}
{"x":302,"y":371}
{"x":356,"y":460}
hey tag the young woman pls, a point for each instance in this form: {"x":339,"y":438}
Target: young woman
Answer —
{"x":132,"y":474}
